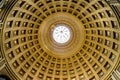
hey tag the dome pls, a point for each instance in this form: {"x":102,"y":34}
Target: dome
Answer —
{"x":60,"y":39}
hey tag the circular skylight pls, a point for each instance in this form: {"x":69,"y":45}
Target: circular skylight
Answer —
{"x":61,"y":33}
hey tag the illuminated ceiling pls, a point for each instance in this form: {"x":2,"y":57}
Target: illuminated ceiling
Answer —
{"x":61,"y":40}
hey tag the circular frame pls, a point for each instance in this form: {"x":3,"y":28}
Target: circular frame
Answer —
{"x":61,"y":33}
{"x":72,"y":45}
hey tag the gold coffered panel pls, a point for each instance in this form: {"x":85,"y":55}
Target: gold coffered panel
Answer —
{"x":91,"y":52}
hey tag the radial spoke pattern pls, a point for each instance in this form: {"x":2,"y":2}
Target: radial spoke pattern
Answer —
{"x":61,"y":34}
{"x":94,"y":59}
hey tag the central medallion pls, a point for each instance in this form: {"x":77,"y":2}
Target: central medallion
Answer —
{"x":61,"y":33}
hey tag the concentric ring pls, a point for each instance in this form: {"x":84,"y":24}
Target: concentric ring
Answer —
{"x":63,"y":49}
{"x":91,"y":53}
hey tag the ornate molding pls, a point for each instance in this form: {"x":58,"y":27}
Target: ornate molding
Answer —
{"x":116,"y":74}
{"x":2,"y":64}
{"x":1,"y":23}
{"x":113,"y":2}
{"x":0,"y":45}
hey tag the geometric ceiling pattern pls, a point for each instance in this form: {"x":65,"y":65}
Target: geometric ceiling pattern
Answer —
{"x":30,"y":49}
